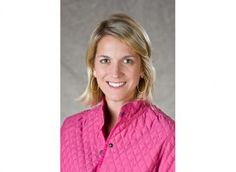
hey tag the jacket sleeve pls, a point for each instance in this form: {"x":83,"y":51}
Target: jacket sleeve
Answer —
{"x":67,"y":153}
{"x":63,"y":148}
{"x":167,"y":163}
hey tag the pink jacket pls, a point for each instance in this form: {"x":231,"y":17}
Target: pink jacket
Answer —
{"x":143,"y":139}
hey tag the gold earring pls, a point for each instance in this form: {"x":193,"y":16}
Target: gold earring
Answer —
{"x":91,"y":85}
{"x":139,"y":92}
{"x":145,"y":86}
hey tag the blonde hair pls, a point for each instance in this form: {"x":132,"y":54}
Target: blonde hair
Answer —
{"x":131,"y":33}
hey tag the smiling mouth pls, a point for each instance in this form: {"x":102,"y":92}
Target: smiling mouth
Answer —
{"x":116,"y":84}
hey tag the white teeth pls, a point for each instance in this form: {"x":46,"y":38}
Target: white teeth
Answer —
{"x":116,"y":84}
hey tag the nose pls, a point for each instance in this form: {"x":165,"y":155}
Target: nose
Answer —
{"x":116,"y":70}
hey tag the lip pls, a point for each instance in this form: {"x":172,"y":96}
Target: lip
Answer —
{"x":116,"y":84}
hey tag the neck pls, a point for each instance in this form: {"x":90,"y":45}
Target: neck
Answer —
{"x":111,"y":114}
{"x":114,"y":107}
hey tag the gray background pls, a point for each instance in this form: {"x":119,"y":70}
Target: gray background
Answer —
{"x":78,"y":19}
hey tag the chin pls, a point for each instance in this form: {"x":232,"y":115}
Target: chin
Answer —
{"x":118,"y":98}
{"x":115,"y":98}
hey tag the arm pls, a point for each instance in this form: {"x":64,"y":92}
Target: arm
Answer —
{"x":167,"y":161}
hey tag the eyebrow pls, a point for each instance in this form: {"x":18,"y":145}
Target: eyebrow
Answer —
{"x":129,"y":56}
{"x":103,"y":56}
{"x":126,"y":56}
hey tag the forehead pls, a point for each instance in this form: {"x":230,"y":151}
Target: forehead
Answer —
{"x":108,"y":42}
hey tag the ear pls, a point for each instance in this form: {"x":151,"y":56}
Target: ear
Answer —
{"x":142,"y":75}
{"x":142,"y":72}
{"x":94,"y":73}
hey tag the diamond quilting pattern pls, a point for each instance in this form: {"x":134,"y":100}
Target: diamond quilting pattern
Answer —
{"x":143,"y":139}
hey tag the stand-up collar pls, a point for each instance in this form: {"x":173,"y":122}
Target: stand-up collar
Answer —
{"x":127,"y":111}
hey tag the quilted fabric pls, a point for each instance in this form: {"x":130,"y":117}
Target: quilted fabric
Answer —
{"x":143,"y":139}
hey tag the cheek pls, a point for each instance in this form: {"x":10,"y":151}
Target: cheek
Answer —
{"x":99,"y":73}
{"x":135,"y":73}
{"x":136,"y":79}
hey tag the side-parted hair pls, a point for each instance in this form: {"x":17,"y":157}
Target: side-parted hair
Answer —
{"x":130,"y":32}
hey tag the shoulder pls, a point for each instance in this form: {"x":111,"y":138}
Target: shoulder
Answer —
{"x":163,"y":121}
{"x":80,"y":117}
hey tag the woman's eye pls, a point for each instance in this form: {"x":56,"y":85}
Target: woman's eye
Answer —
{"x":104,"y":61}
{"x":128,"y":61}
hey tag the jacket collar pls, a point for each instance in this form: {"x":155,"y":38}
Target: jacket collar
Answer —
{"x":127,"y":111}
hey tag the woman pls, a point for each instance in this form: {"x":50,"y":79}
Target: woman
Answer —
{"x":123,"y":130}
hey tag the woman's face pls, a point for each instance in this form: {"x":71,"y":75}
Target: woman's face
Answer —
{"x":117,"y":69}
